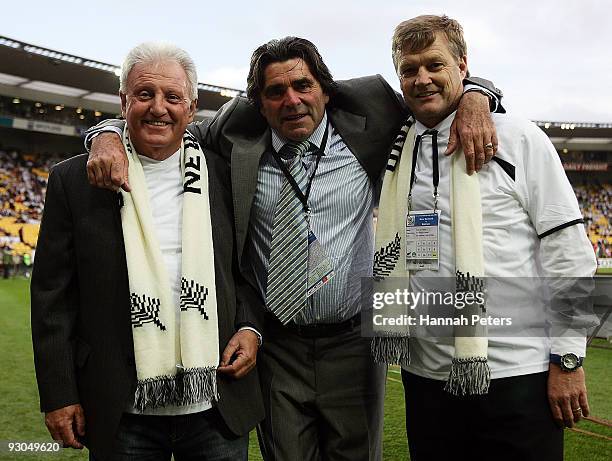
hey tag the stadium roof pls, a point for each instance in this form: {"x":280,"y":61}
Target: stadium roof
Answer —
{"x":579,"y":135}
{"x":38,"y":73}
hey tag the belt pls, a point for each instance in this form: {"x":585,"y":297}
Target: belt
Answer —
{"x":314,"y":330}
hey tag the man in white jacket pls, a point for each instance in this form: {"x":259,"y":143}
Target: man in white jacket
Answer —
{"x":531,"y":228}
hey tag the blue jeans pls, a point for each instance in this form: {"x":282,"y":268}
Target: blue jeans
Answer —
{"x":196,"y":437}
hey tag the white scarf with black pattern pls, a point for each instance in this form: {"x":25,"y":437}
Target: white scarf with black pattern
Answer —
{"x":176,"y":362}
{"x":470,"y":373}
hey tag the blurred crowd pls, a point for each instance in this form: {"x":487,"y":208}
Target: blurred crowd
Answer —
{"x":596,"y":205}
{"x":23,"y":182}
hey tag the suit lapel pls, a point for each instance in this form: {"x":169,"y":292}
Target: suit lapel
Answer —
{"x":246,"y":155}
{"x":353,"y":129}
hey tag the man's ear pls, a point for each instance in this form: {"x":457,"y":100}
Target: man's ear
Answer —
{"x":463,"y":67}
{"x":123,"y":104}
{"x":192,"y":109}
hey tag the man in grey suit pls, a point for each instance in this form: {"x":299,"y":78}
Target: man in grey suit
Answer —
{"x":95,"y":345}
{"x":322,"y":391}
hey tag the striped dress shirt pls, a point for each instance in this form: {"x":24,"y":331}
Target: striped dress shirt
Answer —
{"x":341,"y":200}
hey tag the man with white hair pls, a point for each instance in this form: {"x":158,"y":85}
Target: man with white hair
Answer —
{"x":153,"y":355}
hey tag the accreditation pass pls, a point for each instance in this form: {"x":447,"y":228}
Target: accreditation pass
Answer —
{"x":320,"y":269}
{"x":422,"y":240}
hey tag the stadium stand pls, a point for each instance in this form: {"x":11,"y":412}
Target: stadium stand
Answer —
{"x":595,"y":203}
{"x":23,"y":182}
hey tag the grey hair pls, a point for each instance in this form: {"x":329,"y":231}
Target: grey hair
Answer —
{"x":151,"y":52}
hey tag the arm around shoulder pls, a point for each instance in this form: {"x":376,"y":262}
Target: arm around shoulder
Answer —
{"x":487,"y":87}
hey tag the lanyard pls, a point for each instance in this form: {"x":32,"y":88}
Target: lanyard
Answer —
{"x":436,"y":171}
{"x":294,"y":185}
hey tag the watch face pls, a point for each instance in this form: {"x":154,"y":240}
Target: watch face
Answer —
{"x":569,"y":361}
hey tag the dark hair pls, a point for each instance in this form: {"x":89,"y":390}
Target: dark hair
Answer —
{"x":283,"y":50}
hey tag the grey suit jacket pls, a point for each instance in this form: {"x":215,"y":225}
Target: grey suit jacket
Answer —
{"x":366,"y":112}
{"x":81,"y":326}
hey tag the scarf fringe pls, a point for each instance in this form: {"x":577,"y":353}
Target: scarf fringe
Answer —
{"x":391,"y":348}
{"x":192,"y":385}
{"x":469,"y":376}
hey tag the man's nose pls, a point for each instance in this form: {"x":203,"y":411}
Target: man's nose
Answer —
{"x":423,"y":78}
{"x":292,"y":97}
{"x":158,"y":106}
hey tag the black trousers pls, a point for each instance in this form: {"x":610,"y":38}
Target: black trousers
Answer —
{"x":512,"y":422}
{"x":324,"y":397}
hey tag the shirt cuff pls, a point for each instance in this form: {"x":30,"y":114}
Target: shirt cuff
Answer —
{"x":259,"y":337}
{"x":492,"y":98}
{"x":89,"y":137}
{"x":565,"y":345}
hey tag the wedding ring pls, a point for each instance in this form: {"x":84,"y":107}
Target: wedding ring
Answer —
{"x":489,"y":146}
{"x":577,"y":410}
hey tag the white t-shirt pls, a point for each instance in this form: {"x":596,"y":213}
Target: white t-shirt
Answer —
{"x":515,"y":212}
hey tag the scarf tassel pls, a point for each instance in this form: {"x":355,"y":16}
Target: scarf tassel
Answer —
{"x":192,"y":385}
{"x":469,"y":376}
{"x":391,"y":348}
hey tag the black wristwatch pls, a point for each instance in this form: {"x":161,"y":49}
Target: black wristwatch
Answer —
{"x":567,"y":362}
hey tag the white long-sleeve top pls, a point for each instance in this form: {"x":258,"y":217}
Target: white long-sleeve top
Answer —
{"x":531,"y":229}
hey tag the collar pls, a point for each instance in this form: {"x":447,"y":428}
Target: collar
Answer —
{"x":443,"y":128}
{"x":316,"y":137}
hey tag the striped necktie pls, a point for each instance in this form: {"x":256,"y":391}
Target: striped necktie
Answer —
{"x":288,"y":264}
